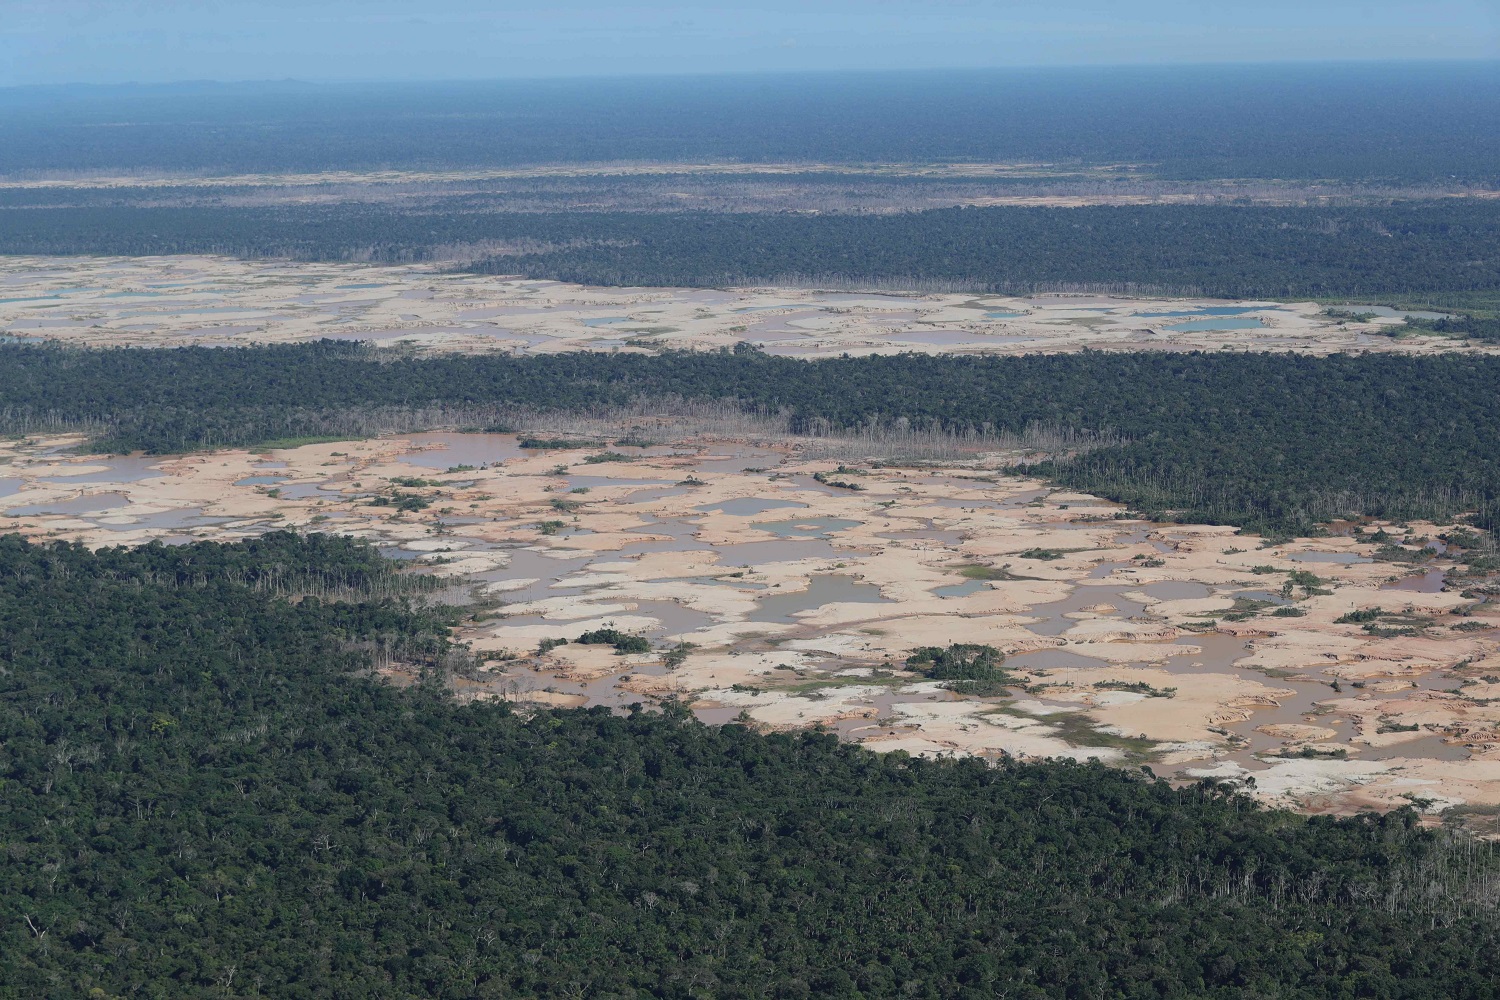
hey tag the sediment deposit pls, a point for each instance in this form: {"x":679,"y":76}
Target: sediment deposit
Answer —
{"x":177,"y":301}
{"x":782,"y":601}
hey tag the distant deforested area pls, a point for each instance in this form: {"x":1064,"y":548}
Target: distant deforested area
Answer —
{"x":1429,"y":247}
{"x":1411,"y":122}
{"x":1272,"y":442}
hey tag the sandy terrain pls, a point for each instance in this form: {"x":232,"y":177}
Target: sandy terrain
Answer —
{"x":84,"y":179}
{"x":739,"y":187}
{"x":1190,"y":648}
{"x":176,"y":301}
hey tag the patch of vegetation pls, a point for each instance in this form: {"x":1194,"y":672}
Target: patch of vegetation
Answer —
{"x":677,"y":655}
{"x":1396,"y":553}
{"x":298,"y":441}
{"x":1462,"y":538}
{"x":965,"y":668}
{"x":1139,"y":687}
{"x":1350,"y":315}
{"x":1390,"y":632}
{"x":1078,"y":729}
{"x":976,"y":571}
{"x":1317,"y":752}
{"x":1245,"y":608}
{"x":555,"y":444}
{"x":1311,"y":584}
{"x":624,"y":642}
{"x":842,"y":484}
{"x":1485,"y":329}
{"x":403,"y":502}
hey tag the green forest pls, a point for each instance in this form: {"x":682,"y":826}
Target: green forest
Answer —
{"x":1274,"y":442}
{"x":208,"y":794}
{"x":1418,"y":248}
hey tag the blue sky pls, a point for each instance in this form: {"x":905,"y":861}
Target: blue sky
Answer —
{"x":109,"y":41}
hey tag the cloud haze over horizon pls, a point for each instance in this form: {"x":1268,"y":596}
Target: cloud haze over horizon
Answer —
{"x":113,"y":41}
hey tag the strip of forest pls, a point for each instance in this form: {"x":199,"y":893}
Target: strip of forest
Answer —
{"x":1270,"y":442}
{"x":1405,"y":249}
{"x":208,"y":792}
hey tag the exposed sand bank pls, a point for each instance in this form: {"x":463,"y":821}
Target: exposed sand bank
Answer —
{"x":177,"y":301}
{"x":1178,"y":646}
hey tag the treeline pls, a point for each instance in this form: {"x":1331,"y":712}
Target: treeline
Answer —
{"x":1228,"y":252}
{"x":1472,"y":327}
{"x":1268,"y":441}
{"x":207,"y":795}
{"x":1237,"y":252}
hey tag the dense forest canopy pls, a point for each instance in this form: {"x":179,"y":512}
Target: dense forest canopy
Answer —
{"x":1409,"y":121}
{"x":1269,"y":441}
{"x":1234,"y":252}
{"x":206,"y":794}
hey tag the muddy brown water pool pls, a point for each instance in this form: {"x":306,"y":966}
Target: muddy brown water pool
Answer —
{"x":821,"y":590}
{"x":88,"y":504}
{"x":121,"y":469}
{"x":1050,"y":659}
{"x":449,"y":450}
{"x":807,"y":527}
{"x":1427,"y":747}
{"x":925,"y":537}
{"x":177,"y":520}
{"x":606,"y":482}
{"x":649,"y":495}
{"x":531,"y":564}
{"x":752,"y":458}
{"x":1174,"y":590}
{"x":752,"y":554}
{"x":961,"y":589}
{"x":1430,"y":582}
{"x":1344,"y":558}
{"x":747,"y":506}
{"x":1054,"y":613}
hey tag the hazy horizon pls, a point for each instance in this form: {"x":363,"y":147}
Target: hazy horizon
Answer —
{"x":345,"y":41}
{"x":253,"y":83}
